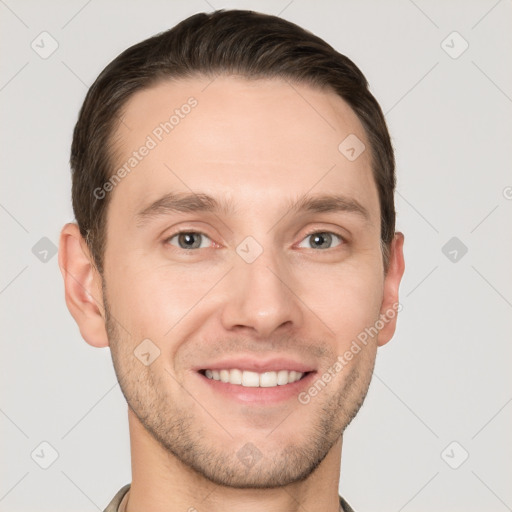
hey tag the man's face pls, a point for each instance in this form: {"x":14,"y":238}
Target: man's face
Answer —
{"x":248,"y":294}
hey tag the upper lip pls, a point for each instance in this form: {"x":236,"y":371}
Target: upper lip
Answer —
{"x":258,"y":365}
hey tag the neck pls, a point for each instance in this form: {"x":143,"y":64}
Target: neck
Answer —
{"x":160,"y":482}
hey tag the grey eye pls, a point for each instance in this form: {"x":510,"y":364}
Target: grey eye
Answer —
{"x":188,"y":240}
{"x":321,"y":240}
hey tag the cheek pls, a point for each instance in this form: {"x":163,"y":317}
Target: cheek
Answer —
{"x":152,"y":302}
{"x":346,"y":298}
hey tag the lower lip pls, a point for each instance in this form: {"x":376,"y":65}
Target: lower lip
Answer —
{"x":259,"y":395}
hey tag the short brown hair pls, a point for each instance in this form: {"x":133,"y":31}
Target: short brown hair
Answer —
{"x":245,"y":43}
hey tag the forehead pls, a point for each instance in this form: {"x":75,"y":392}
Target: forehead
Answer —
{"x":264,"y":141}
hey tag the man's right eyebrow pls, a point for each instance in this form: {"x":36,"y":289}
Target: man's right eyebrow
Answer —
{"x":183,"y":203}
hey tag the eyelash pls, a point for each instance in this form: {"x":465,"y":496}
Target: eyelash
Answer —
{"x":343,"y":241}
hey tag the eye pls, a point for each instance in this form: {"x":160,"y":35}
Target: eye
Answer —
{"x":323,"y":239}
{"x":188,"y":240}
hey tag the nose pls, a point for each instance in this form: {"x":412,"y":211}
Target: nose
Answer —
{"x":260,"y":297}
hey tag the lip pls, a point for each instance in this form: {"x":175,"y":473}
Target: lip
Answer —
{"x":256,"y":396}
{"x":263,"y":396}
{"x":258,"y":365}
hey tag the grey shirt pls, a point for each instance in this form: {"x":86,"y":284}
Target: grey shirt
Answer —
{"x":113,"y":506}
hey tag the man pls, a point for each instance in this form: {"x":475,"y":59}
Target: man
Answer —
{"x":235,"y":247}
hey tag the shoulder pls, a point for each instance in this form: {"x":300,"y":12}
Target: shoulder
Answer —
{"x":113,"y":506}
{"x":345,"y":507}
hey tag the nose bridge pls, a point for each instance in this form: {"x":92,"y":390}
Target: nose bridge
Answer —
{"x":259,"y":296}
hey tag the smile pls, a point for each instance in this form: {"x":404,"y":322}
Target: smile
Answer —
{"x":251,"y":379}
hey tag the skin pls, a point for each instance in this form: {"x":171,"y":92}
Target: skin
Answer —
{"x":260,"y":144}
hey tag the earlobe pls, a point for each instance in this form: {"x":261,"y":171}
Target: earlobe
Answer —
{"x":82,"y":285}
{"x":390,"y":301}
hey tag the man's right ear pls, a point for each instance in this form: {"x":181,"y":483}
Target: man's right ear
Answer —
{"x":82,"y":284}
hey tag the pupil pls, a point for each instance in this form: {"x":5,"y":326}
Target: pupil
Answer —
{"x":322,"y":237}
{"x":188,"y":239}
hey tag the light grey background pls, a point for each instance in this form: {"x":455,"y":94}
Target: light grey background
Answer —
{"x":446,"y":374}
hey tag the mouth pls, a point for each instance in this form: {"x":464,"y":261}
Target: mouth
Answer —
{"x":266,"y":380}
{"x":251,"y":379}
{"x":258,"y":386}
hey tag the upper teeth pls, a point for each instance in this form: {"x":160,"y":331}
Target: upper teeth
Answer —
{"x":254,"y":379}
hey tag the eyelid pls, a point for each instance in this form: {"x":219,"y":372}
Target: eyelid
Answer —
{"x":325,"y":230}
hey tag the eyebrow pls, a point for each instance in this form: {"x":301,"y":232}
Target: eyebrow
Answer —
{"x":329,"y":203}
{"x":183,"y":203}
{"x":199,"y":202}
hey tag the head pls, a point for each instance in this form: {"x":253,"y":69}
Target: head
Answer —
{"x":233,"y":187}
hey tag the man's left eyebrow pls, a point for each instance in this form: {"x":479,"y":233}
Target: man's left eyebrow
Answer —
{"x":327,"y":203}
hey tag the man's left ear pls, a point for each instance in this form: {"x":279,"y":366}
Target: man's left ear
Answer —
{"x":390,"y":305}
